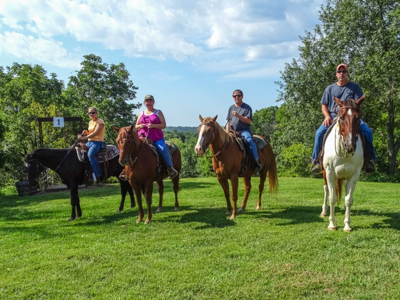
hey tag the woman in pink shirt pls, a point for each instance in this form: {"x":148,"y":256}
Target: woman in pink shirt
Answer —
{"x":150,"y":123}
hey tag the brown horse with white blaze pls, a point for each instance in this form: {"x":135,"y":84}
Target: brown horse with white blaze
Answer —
{"x":141,"y":168}
{"x":227,"y":162}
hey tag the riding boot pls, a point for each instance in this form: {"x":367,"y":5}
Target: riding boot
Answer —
{"x":172,"y":172}
{"x":370,"y":167}
{"x":316,"y":169}
{"x":123,"y":176}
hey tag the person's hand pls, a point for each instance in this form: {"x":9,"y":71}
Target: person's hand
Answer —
{"x":85,"y":132}
{"x":150,"y":126}
{"x":327,"y":121}
{"x":142,"y":126}
{"x":234,"y":113}
{"x":80,"y":137}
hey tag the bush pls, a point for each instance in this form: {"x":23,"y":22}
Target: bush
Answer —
{"x":294,"y":161}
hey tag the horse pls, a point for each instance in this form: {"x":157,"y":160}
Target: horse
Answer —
{"x":343,"y":157}
{"x":142,"y":169}
{"x":227,"y":161}
{"x":72,"y":173}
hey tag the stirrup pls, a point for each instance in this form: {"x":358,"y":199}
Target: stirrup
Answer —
{"x":123,"y":176}
{"x":172,"y":172}
{"x":316,"y":168}
{"x":370,"y":167}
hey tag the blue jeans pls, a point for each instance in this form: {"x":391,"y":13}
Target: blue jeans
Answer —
{"x":253,"y":148}
{"x":319,"y":137}
{"x":162,"y":148}
{"x":94,"y":148}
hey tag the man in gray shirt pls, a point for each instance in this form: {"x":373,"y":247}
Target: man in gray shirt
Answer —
{"x":342,"y":89}
{"x":239,"y":117}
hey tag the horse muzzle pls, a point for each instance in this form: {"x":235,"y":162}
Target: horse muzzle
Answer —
{"x":199,"y":150}
{"x":123,"y":162}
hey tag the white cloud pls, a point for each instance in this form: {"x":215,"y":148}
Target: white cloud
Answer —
{"x":40,"y":49}
{"x":171,"y":29}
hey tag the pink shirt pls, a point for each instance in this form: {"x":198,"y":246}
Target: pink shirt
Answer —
{"x":153,"y":133}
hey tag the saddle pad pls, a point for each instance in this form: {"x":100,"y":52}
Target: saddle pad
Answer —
{"x":111,"y":152}
{"x":259,"y":141}
{"x":171,"y":147}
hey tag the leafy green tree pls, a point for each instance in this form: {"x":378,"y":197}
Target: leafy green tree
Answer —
{"x":108,"y":88}
{"x":263,"y":122}
{"x":294,"y":161}
{"x":365,"y":35}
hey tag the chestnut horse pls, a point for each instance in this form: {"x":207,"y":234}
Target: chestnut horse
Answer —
{"x":343,"y":157}
{"x":141,"y":169}
{"x":227,"y":161}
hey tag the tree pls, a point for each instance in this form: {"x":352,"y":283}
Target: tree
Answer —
{"x":365,"y":35}
{"x":263,"y":122}
{"x":108,"y":88}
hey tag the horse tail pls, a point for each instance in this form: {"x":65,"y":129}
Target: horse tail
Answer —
{"x":143,"y":189}
{"x":338,"y":188}
{"x":273,"y":175}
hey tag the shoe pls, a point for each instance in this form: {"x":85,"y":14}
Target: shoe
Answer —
{"x":257,"y":165}
{"x":172,"y":172}
{"x":316,"y":169}
{"x":94,"y":178}
{"x":370,"y":167}
{"x":123,"y":176}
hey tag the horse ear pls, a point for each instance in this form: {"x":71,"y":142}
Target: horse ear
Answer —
{"x":132,"y":127}
{"x":201,"y":118}
{"x":215,"y":118}
{"x":338,"y":102}
{"x":116,"y":129}
{"x":359,"y":101}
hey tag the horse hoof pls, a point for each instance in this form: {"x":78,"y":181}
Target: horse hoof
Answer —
{"x":332,"y":227}
{"x":232,"y":218}
{"x":322,"y":215}
{"x":347,"y":229}
{"x":158,"y":210}
{"x":228,"y":212}
{"x":71,"y":219}
{"x":241,"y":210}
{"x":176,"y":209}
{"x":258,"y":207}
{"x":146,"y":222}
{"x":138,"y":221}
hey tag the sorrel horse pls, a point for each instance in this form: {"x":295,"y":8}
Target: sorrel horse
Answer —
{"x":72,"y":173}
{"x":141,"y":169}
{"x":343,"y":157}
{"x":227,"y":160}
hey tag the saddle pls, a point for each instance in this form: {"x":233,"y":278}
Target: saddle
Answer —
{"x":320,"y":157}
{"x":258,"y":140}
{"x":103,"y":156}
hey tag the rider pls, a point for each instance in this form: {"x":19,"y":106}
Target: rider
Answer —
{"x":239,"y":117}
{"x":342,"y":89}
{"x":150,"y":122}
{"x":95,"y":135}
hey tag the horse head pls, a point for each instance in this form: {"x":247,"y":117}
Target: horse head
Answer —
{"x":128,"y":143}
{"x":33,"y":168}
{"x":206,"y":132}
{"x":349,"y":123}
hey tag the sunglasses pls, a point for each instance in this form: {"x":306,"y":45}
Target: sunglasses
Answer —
{"x":91,"y":113}
{"x":339,"y":72}
{"x":234,"y":96}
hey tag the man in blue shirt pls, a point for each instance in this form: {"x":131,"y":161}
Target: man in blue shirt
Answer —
{"x":342,"y":89}
{"x":239,"y":117}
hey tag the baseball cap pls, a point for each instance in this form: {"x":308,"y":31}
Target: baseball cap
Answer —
{"x":342,"y":65}
{"x":148,"y":97}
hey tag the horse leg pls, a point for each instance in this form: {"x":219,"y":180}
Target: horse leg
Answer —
{"x":225,"y":186}
{"x":175,"y":181}
{"x":149,"y":194}
{"x":332,"y":199}
{"x":324,"y":212}
{"x":130,"y":191}
{"x":123,"y":194}
{"x":247,"y":189}
{"x":263,"y":177}
{"x":160,"y":184}
{"x":138,"y":192}
{"x":235,"y":184}
{"x":75,"y":206}
{"x":348,"y":200}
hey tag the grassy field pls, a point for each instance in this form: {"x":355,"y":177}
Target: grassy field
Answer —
{"x":283,"y":251}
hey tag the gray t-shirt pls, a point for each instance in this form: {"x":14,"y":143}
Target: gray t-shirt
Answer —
{"x":243,"y":110}
{"x":349,"y":91}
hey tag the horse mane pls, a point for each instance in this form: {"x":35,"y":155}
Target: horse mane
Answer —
{"x":350,"y":103}
{"x":224,"y":136}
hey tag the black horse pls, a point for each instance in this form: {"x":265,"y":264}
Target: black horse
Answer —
{"x":72,"y":173}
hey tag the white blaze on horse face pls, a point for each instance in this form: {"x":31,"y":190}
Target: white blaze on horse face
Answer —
{"x":349,"y":112}
{"x":200,"y":139}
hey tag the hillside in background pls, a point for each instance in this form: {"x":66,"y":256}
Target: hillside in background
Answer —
{"x":181,"y":129}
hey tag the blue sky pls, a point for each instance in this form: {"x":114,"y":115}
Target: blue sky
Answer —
{"x":190,"y":55}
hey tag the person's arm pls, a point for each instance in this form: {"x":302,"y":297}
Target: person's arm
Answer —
{"x":138,"y":125}
{"x":328,"y":120}
{"x":227,"y":126}
{"x":242,"y":118}
{"x":162,"y":124}
{"x":94,"y":133}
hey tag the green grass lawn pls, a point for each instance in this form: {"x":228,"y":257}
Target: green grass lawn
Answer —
{"x":283,"y":251}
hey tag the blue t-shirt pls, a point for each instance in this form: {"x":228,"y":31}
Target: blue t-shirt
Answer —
{"x":243,"y":110}
{"x":349,"y":91}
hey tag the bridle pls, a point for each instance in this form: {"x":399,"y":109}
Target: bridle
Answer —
{"x":342,"y":141}
{"x":132,"y":142}
{"x":211,"y":124}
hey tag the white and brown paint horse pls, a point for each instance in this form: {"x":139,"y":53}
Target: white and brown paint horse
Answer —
{"x":227,"y":160}
{"x":343,"y":158}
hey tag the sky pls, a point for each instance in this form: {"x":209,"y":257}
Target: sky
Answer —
{"x":190,"y":55}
